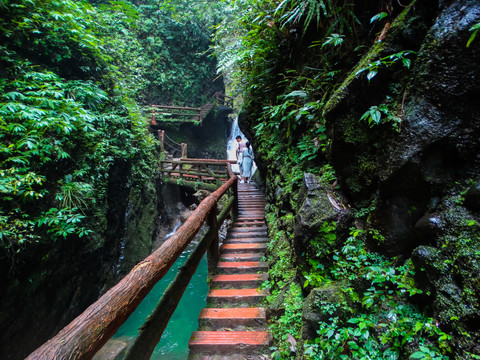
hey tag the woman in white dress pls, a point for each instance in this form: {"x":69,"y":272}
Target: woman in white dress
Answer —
{"x":247,"y":162}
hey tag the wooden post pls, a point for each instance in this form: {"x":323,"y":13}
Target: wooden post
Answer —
{"x":161,"y":138}
{"x":154,"y":122}
{"x":235,"y":196}
{"x":213,"y":253}
{"x":184,"y":150}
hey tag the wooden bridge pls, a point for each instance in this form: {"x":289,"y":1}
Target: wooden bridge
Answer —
{"x":209,"y":174}
{"x":188,"y":114}
{"x":235,"y":327}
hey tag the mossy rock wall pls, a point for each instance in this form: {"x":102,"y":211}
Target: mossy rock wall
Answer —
{"x":413,"y":188}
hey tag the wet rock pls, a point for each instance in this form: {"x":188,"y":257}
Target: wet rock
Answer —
{"x":317,"y":207}
{"x":426,"y":261}
{"x":472,"y":198}
{"x":320,"y":305}
{"x":428,"y":228}
{"x":201,"y":194}
{"x":392,"y":225}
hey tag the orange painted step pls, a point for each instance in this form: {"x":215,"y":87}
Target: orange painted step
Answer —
{"x":251,"y":218}
{"x":246,"y":240}
{"x":234,"y":297}
{"x":229,"y":248}
{"x":248,"y":233}
{"x":249,"y":224}
{"x":241,"y":256}
{"x":251,"y":212}
{"x":232,"y":317}
{"x":237,"y":280}
{"x":247,"y":229}
{"x":235,"y":267}
{"x":227,"y":341}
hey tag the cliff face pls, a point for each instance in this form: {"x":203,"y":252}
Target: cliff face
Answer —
{"x":51,"y":291}
{"x":418,"y":176}
{"x":389,"y":220}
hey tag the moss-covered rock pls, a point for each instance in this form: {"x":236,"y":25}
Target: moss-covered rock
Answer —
{"x":316,"y":308}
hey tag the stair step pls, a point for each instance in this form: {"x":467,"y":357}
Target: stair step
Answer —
{"x":242,"y":248}
{"x":232,"y":317}
{"x":256,"y":219}
{"x":250,"y":234}
{"x":238,"y":280}
{"x":241,"y":256}
{"x":234,"y":297}
{"x":249,"y":224}
{"x":236,"y":267}
{"x":247,"y":229}
{"x":231,"y":356}
{"x":228,"y":341}
{"x":246,"y":240}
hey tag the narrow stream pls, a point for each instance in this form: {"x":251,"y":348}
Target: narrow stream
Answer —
{"x":174,"y":342}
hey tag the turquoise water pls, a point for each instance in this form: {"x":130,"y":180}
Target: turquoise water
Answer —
{"x":174,"y":342}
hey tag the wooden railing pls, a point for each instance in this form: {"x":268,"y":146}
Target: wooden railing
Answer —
{"x":180,"y":113}
{"x":221,"y":98}
{"x":86,"y":334}
{"x":187,"y":113}
{"x":210,"y":173}
{"x":171,"y":146}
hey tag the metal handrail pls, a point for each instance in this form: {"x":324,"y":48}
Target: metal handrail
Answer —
{"x":87,"y":333}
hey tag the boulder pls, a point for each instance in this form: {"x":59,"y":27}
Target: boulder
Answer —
{"x":472,"y":197}
{"x":318,"y":207}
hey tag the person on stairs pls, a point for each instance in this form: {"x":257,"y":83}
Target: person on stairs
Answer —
{"x":247,"y":162}
{"x":238,"y":153}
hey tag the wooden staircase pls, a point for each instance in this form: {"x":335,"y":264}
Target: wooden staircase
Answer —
{"x":233,"y":326}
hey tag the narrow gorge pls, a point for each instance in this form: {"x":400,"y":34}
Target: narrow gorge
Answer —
{"x":364,"y":118}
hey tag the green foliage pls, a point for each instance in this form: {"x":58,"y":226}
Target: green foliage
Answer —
{"x":295,"y":11}
{"x":387,"y":61}
{"x":333,"y":39}
{"x":158,"y":49}
{"x":377,"y":322}
{"x":321,"y":246}
{"x":382,"y":114}
{"x":71,"y":75}
{"x":378,"y":17}
{"x":288,"y":324}
{"x":475,"y":28}
{"x":43,"y":119}
{"x":58,"y":33}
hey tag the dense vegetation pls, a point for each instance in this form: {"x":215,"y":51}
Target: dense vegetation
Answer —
{"x":75,"y":78}
{"x":344,"y":285}
{"x":330,"y":90}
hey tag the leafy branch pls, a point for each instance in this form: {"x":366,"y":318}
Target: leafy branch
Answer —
{"x":387,"y":61}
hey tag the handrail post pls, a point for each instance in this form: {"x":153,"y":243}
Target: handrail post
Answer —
{"x":184,"y":150}
{"x":161,"y":138}
{"x":154,"y":122}
{"x":235,"y":202}
{"x":213,"y":253}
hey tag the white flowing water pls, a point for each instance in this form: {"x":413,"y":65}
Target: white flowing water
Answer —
{"x":232,"y":146}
